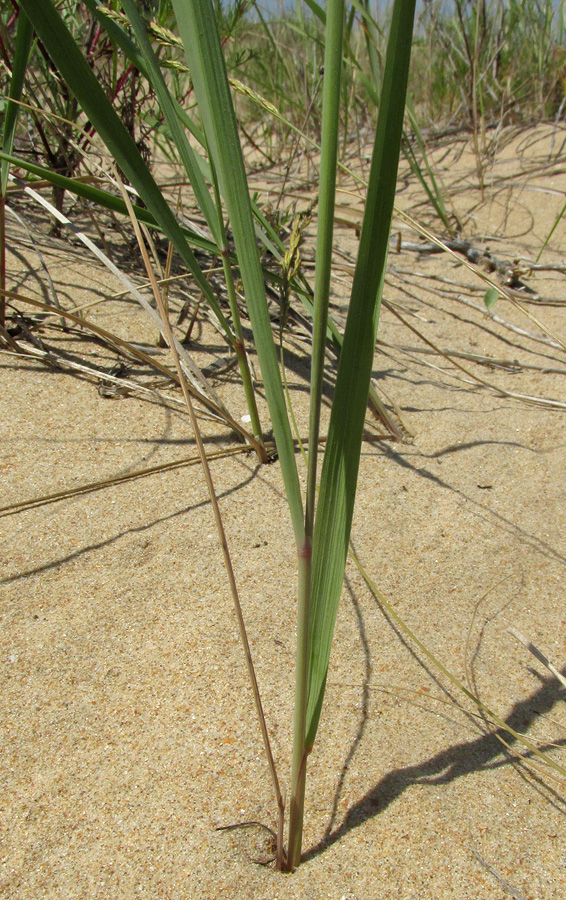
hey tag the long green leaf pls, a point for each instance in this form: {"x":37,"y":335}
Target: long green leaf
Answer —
{"x":198,"y":30}
{"x":24,"y":38}
{"x":117,"y":34}
{"x":341,"y":459}
{"x":373,"y":86}
{"x":325,"y":232}
{"x":152,"y":71}
{"x":326,"y":203}
{"x":105,"y":199}
{"x":212,"y":213}
{"x":83,"y":83}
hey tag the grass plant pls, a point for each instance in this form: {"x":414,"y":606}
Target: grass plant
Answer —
{"x":487,"y":61}
{"x":321,"y":533}
{"x":321,"y":540}
{"x":198,"y":123}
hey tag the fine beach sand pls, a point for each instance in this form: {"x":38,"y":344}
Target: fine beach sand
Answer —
{"x":128,"y":731}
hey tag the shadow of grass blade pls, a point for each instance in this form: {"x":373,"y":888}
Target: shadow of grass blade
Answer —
{"x":342,"y":455}
{"x":82,"y":81}
{"x":198,"y":30}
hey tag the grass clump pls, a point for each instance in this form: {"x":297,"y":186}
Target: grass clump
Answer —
{"x":355,"y":70}
{"x":218,"y":177}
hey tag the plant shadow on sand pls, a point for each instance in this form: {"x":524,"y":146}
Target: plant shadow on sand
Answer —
{"x":57,"y":562}
{"x":487,"y":752}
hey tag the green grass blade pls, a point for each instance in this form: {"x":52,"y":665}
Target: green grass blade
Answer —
{"x":323,"y":271}
{"x":104,"y":199}
{"x":433,"y":190}
{"x":317,"y":10}
{"x":211,"y":212}
{"x":186,"y":152}
{"x":22,"y":47}
{"x":325,"y":231}
{"x":83,"y":83}
{"x":373,"y":87}
{"x":117,"y":34}
{"x":198,"y":30}
{"x":341,"y":459}
{"x":371,"y":34}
